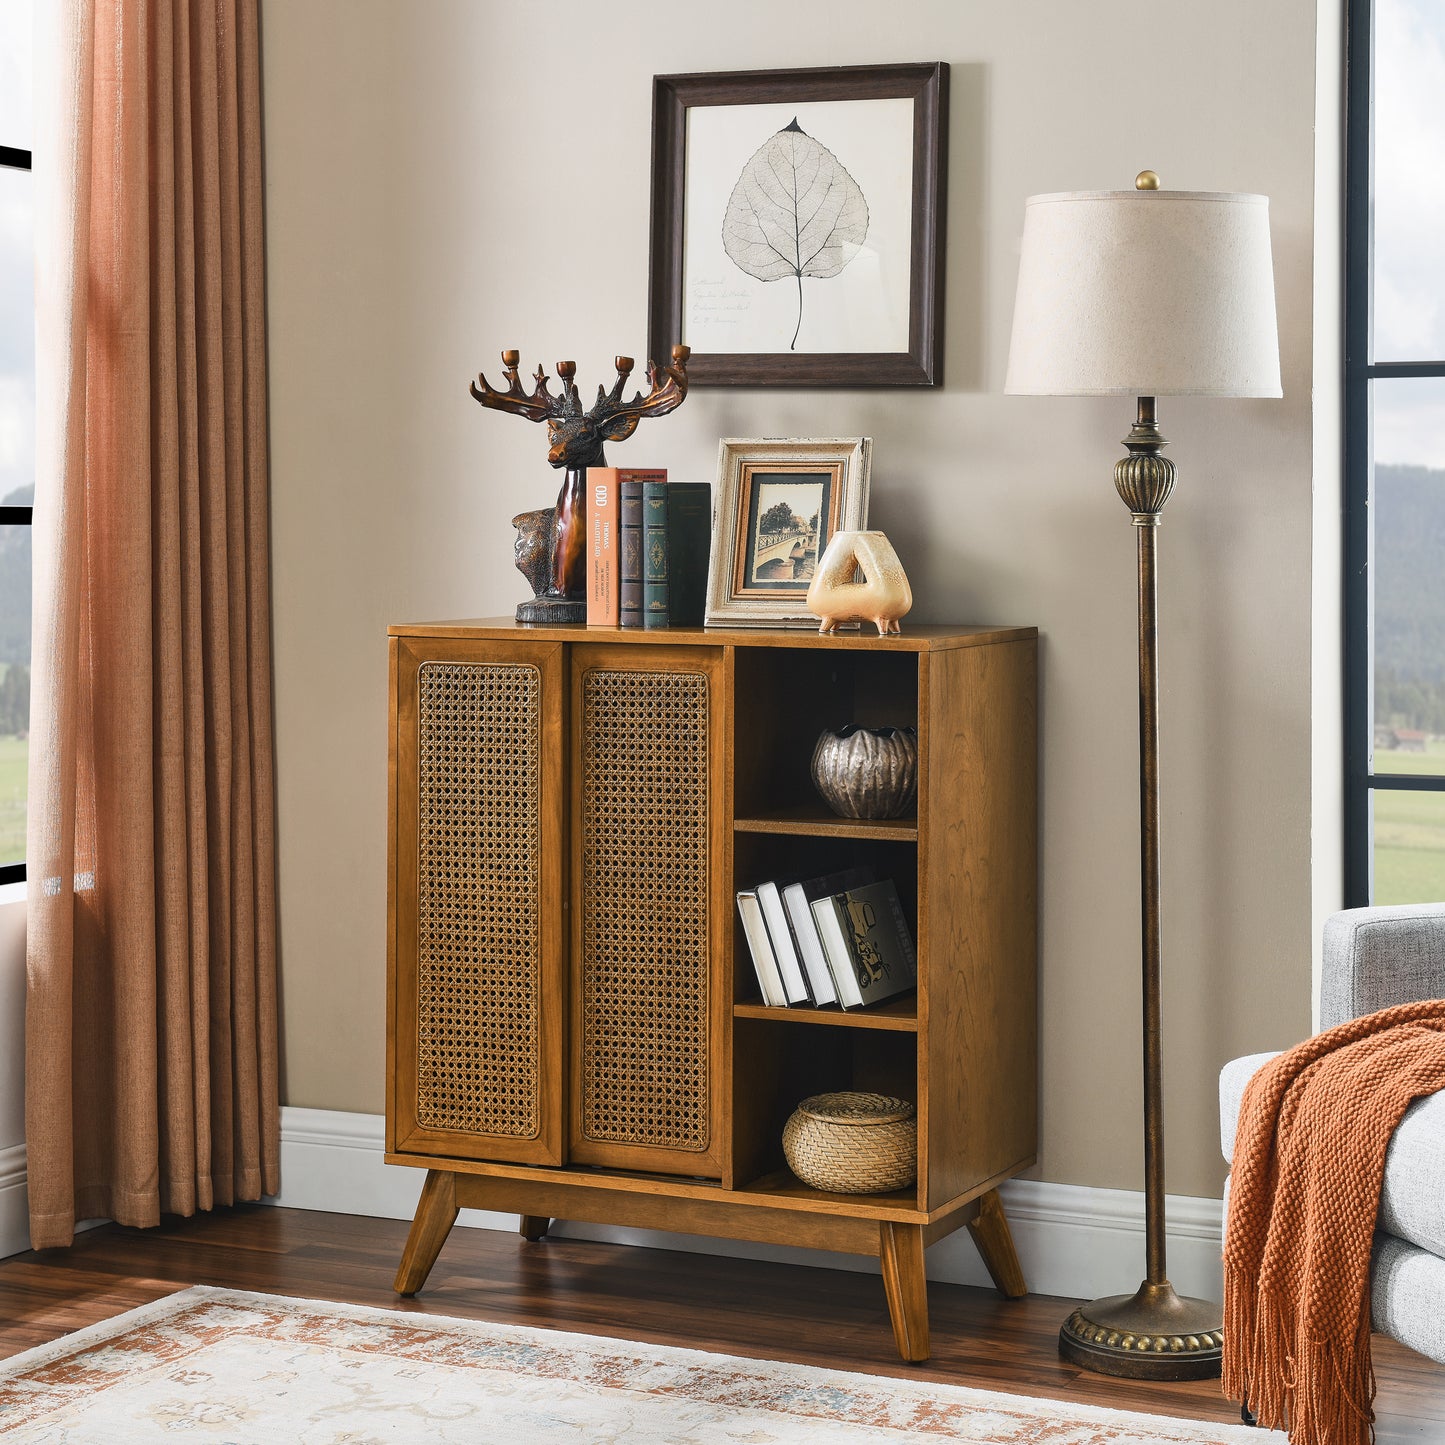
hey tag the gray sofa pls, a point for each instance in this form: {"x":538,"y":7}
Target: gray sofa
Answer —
{"x":1373,"y":958}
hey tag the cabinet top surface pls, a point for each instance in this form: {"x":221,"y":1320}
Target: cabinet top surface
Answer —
{"x":920,"y":637}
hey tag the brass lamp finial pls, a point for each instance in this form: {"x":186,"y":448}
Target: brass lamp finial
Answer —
{"x":1146,"y":181}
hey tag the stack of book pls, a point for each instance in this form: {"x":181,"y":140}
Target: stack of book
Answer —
{"x":647,"y":549}
{"x":842,"y":939}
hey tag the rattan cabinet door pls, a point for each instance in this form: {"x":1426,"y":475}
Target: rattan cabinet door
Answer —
{"x":648,"y":866}
{"x":477,"y":940}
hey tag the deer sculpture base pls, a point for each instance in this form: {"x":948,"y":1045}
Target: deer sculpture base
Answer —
{"x":551,"y":610}
{"x":535,"y":552}
{"x":549,"y":555}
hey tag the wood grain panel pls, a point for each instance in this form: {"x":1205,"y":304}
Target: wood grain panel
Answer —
{"x":716,"y":1218}
{"x":769,"y":1191}
{"x":393,"y":648}
{"x":899,"y":1013}
{"x":919,"y":637}
{"x":978,"y":1010}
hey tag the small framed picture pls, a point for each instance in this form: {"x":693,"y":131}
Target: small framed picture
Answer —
{"x":779,"y":502}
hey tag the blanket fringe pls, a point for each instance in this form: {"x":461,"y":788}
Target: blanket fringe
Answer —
{"x":1239,"y":1302}
{"x":1310,"y":1387}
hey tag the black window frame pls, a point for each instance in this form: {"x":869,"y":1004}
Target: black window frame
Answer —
{"x":13,"y":159}
{"x":1360,"y":370}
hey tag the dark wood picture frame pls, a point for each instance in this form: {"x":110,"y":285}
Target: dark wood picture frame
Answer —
{"x":674,"y":95}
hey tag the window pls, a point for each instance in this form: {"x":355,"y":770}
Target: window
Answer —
{"x":1395,"y":453}
{"x":17,"y":426}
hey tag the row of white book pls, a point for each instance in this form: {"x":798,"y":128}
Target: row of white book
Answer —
{"x":839,"y":939}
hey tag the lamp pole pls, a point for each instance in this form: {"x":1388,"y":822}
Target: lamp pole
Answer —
{"x":1155,"y":1333}
{"x":1144,"y":481}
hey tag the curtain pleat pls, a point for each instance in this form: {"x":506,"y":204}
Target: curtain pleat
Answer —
{"x":256,"y":491}
{"x":151,"y":1021}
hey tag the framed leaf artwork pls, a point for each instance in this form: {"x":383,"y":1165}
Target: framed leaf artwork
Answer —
{"x":777,"y":503}
{"x":798,"y":225}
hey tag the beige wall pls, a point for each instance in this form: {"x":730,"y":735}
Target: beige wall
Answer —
{"x":448,"y":178}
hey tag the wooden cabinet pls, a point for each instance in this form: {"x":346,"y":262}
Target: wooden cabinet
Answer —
{"x":574,"y":1027}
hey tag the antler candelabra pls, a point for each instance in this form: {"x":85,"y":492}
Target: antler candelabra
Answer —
{"x":550,"y":543}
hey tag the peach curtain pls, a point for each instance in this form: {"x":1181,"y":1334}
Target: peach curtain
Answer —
{"x":151,"y":1054}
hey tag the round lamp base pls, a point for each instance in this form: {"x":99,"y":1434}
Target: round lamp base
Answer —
{"x":1152,"y":1335}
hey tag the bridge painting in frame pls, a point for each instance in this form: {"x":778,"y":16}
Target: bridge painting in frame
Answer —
{"x":779,"y":502}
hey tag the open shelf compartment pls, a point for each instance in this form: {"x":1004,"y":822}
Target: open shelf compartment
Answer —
{"x":784,"y":698}
{"x":763,"y":857}
{"x":783,"y":1061}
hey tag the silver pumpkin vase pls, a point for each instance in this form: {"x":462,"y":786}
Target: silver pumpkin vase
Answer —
{"x":867,"y":772}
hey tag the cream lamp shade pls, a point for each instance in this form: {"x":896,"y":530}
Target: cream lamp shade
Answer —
{"x":1145,"y":293}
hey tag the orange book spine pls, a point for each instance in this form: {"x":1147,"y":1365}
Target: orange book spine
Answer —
{"x":603,"y":590}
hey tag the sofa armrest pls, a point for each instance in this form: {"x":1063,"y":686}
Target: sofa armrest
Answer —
{"x":1233,"y":1078}
{"x":1375,"y":958}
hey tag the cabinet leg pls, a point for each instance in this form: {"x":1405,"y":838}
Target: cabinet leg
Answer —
{"x":435,"y":1215}
{"x":534,"y":1227}
{"x":900,"y":1247}
{"x":990,"y":1231}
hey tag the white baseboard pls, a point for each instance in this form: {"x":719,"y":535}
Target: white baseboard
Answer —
{"x":14,"y":1205}
{"x":1071,"y":1240}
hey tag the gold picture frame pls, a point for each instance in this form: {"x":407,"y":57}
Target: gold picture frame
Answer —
{"x":779,"y":501}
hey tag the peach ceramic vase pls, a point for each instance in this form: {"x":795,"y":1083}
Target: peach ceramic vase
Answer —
{"x":881,"y":598}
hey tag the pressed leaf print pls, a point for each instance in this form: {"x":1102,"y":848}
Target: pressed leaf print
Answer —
{"x":795,"y":211}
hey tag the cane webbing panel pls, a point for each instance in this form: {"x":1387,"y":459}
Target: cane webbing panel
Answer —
{"x":479,"y":898}
{"x":645,"y":909}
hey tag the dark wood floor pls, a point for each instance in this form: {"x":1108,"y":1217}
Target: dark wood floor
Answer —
{"x":817,"y":1316}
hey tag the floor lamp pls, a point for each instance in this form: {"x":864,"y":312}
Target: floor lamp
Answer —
{"x":1146,"y":293}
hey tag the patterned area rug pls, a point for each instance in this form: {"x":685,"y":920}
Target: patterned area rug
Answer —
{"x":228,"y":1366}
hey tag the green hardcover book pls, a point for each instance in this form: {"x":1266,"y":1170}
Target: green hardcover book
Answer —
{"x":689,"y":536}
{"x":655,"y":610}
{"x":629,"y":534}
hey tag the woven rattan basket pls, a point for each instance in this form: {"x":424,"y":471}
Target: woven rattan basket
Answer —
{"x":853,"y":1143}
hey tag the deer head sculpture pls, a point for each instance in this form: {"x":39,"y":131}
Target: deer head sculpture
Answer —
{"x":577,"y":437}
{"x":576,"y":442}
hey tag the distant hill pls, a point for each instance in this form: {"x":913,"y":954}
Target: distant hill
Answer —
{"x":15,"y":583}
{"x":1409,"y":512}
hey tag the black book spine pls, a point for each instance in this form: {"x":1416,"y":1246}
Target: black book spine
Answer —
{"x":630,"y":536}
{"x":689,"y":536}
{"x":655,"y":612}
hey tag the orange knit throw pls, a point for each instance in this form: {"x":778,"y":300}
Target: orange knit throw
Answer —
{"x":1309,"y":1159}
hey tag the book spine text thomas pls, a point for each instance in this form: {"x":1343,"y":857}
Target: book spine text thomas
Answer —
{"x":604,"y":593}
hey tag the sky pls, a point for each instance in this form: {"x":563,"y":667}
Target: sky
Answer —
{"x":17,"y":305}
{"x":1409,"y":212}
